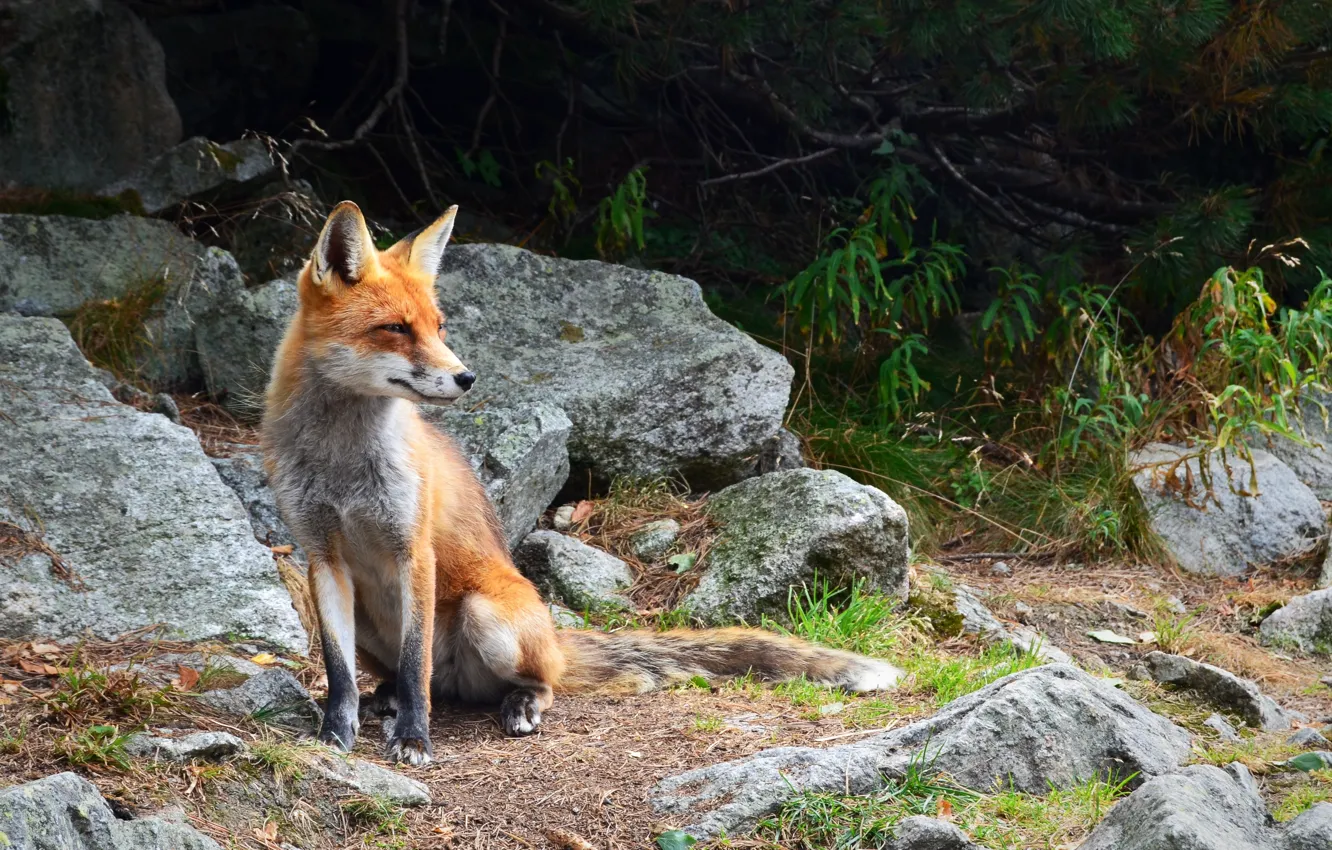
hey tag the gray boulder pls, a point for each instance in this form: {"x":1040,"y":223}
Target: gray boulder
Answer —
{"x":138,"y":516}
{"x":1311,"y":463}
{"x":652,"y":381}
{"x":195,"y":167}
{"x":85,"y":100}
{"x":1304,"y":624}
{"x":777,"y":531}
{"x":922,"y":833}
{"x":204,"y":746}
{"x":67,"y":812}
{"x":1225,"y":532}
{"x":243,"y":472}
{"x":1308,"y":738}
{"x":520,"y":454}
{"x":237,"y":338}
{"x":53,"y":265}
{"x":1048,"y":726}
{"x":274,"y":696}
{"x":1206,"y":808}
{"x":370,"y":779}
{"x":574,"y":573}
{"x":1219,"y":687}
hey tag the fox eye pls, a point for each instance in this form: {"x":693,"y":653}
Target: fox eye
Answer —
{"x":395,"y":328}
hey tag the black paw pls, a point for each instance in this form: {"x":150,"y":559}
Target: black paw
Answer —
{"x":383,"y":702}
{"x":520,"y":713}
{"x":409,"y":741}
{"x":338,"y":733}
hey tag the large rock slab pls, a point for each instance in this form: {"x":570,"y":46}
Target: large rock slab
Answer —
{"x":131,"y":505}
{"x":653,"y":382}
{"x":1304,"y":624}
{"x":1221,"y":688}
{"x":520,"y":454}
{"x":1206,"y":808}
{"x":85,"y":100}
{"x":1048,"y":726}
{"x":67,"y":812}
{"x":1227,"y":531}
{"x":237,"y":339}
{"x":52,"y":265}
{"x":243,"y":471}
{"x":274,"y":696}
{"x":778,"y":530}
{"x":196,"y":169}
{"x":567,"y":569}
{"x":370,"y":779}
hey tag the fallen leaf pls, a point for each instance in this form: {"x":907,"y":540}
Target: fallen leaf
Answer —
{"x":264,"y":659}
{"x":187,"y":677}
{"x":683,"y":562}
{"x":39,"y":668}
{"x":1107,"y":636}
{"x":582,"y":511}
{"x":9,"y":686}
{"x":284,"y":549}
{"x":45,"y":649}
{"x":676,"y":839}
{"x":1309,"y":761}
{"x":268,"y":833}
{"x":566,"y":840}
{"x":4,"y":700}
{"x":634,"y":754}
{"x":945,"y":810}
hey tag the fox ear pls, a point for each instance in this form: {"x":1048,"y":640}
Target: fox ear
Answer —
{"x":344,"y":248}
{"x":425,"y":251}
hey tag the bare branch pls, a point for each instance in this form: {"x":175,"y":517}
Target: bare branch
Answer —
{"x":768,"y":169}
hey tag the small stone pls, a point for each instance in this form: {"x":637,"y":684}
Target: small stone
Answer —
{"x":1001,"y":568}
{"x":205,"y":746}
{"x":166,"y":405}
{"x":371,"y":779}
{"x":274,"y":695}
{"x":566,"y":619}
{"x":1307,"y":738}
{"x":563,"y":520}
{"x":1222,"y":727}
{"x":1303,"y":623}
{"x":1175,"y":605}
{"x":1326,"y":680}
{"x":576,"y":574}
{"x":919,"y":832}
{"x":1221,"y":687}
{"x":654,"y":539}
{"x":1138,"y":673}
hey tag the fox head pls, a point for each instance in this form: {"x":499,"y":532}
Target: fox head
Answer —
{"x":371,"y":321}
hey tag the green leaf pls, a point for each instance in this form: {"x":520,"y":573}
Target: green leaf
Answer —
{"x":885,"y":147}
{"x":1308,"y":762}
{"x":700,"y":682}
{"x":1107,"y":636}
{"x":683,"y":562}
{"x":675,"y":840}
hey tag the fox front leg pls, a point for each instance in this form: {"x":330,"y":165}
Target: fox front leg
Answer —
{"x":334,"y":600}
{"x":410,"y":740}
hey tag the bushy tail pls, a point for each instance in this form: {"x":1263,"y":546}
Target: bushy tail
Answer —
{"x":641,"y":661}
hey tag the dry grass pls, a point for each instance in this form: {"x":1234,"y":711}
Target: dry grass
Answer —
{"x":217,"y":429}
{"x":613,"y":521}
{"x":18,"y":542}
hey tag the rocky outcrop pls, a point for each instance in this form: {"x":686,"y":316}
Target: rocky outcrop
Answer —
{"x":1303,"y":624}
{"x":1221,"y":688}
{"x":237,"y":338}
{"x":580,"y":576}
{"x":652,"y":381}
{"x":1046,"y":727}
{"x":1206,"y":808}
{"x":1311,"y":463}
{"x":243,"y":472}
{"x":196,"y":169}
{"x":141,"y":530}
{"x":778,"y":531}
{"x":1226,"y":530}
{"x":67,"y":812}
{"x":85,"y":99}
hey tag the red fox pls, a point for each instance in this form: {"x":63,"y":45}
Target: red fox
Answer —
{"x":409,"y":568}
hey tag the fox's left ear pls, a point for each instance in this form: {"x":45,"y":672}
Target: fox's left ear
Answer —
{"x":424,"y":252}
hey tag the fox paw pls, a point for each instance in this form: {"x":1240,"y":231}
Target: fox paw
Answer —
{"x":383,"y":702}
{"x":413,"y":751}
{"x":339,"y":735}
{"x":520,"y":713}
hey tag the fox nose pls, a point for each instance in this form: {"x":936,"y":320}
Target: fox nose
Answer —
{"x":464,"y":380}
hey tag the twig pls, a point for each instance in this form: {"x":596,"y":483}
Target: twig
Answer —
{"x":980,"y":556}
{"x":494,"y":85}
{"x":987,"y":203}
{"x":768,"y":169}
